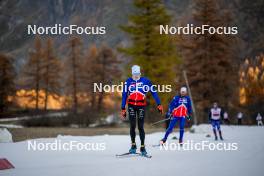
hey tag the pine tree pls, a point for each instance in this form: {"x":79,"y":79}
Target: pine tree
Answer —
{"x":155,"y":53}
{"x":7,"y":77}
{"x":51,"y":73}
{"x":32,"y":72}
{"x":209,"y":59}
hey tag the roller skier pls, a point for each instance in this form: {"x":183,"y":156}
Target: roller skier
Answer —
{"x":215,"y":115}
{"x":179,"y":110}
{"x":134,"y":94}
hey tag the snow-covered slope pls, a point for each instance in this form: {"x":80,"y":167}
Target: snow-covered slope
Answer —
{"x":247,"y":160}
{"x":5,"y":135}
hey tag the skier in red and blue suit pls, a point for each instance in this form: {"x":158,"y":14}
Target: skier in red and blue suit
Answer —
{"x":179,"y":109}
{"x":134,"y":94}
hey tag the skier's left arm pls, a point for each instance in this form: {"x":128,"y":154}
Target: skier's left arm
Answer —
{"x":155,"y":95}
{"x":189,"y":108}
{"x":222,"y":114}
{"x":209,"y":116}
{"x":154,"y":92}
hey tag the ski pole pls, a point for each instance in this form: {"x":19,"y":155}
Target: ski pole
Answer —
{"x":161,"y":121}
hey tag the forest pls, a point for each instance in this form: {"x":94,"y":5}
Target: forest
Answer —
{"x":45,"y":74}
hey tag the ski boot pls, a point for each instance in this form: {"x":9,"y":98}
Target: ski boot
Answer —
{"x":180,"y":142}
{"x":143,"y":150}
{"x":216,"y":138}
{"x":162,"y":141}
{"x":133,"y":148}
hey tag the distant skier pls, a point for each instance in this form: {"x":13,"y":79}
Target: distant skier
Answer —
{"x":134,"y":93}
{"x":226,"y":119}
{"x":239,"y":118}
{"x":259,"y":120}
{"x":215,"y":115}
{"x":179,"y":109}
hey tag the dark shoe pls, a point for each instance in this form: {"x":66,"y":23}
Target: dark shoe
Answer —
{"x":143,"y":150}
{"x":162,"y":141}
{"x":133,"y":148}
{"x":180,"y":142}
{"x":220,"y":135}
{"x":216,"y":138}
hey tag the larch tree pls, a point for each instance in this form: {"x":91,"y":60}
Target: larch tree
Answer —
{"x":32,"y":72}
{"x":90,"y":76}
{"x":73,"y":72}
{"x":7,"y":78}
{"x":108,"y":70}
{"x":51,"y":73}
{"x":252,"y":85}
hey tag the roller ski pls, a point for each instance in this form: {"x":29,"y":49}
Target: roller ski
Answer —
{"x":127,"y":155}
{"x":161,"y":143}
{"x":143,"y":152}
{"x":133,"y":152}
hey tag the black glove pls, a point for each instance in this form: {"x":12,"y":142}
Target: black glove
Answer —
{"x":189,"y":117}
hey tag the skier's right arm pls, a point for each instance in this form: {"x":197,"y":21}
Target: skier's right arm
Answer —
{"x":171,"y":107}
{"x":124,"y":98}
{"x":124,"y":95}
{"x":209,"y":116}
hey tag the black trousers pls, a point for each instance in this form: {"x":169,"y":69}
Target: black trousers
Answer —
{"x":239,"y":121}
{"x":136,"y":115}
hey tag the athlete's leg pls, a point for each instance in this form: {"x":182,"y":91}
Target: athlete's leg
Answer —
{"x":213,"y":123}
{"x":172,"y":124}
{"x":132,"y":120}
{"x":182,"y":123}
{"x":219,"y":129}
{"x":141,"y":117}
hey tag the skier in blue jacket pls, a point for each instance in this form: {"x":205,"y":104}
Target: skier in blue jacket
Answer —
{"x":134,"y":94}
{"x":179,"y":109}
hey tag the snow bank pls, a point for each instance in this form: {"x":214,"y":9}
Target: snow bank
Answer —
{"x":5,"y":135}
{"x":10,"y":126}
{"x":247,"y":160}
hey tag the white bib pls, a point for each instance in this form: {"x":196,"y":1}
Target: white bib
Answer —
{"x":215,"y":113}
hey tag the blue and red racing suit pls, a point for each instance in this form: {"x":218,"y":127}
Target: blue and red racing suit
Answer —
{"x":134,"y":92}
{"x":179,"y":108}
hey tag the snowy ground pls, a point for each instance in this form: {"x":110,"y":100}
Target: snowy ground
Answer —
{"x":247,"y":160}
